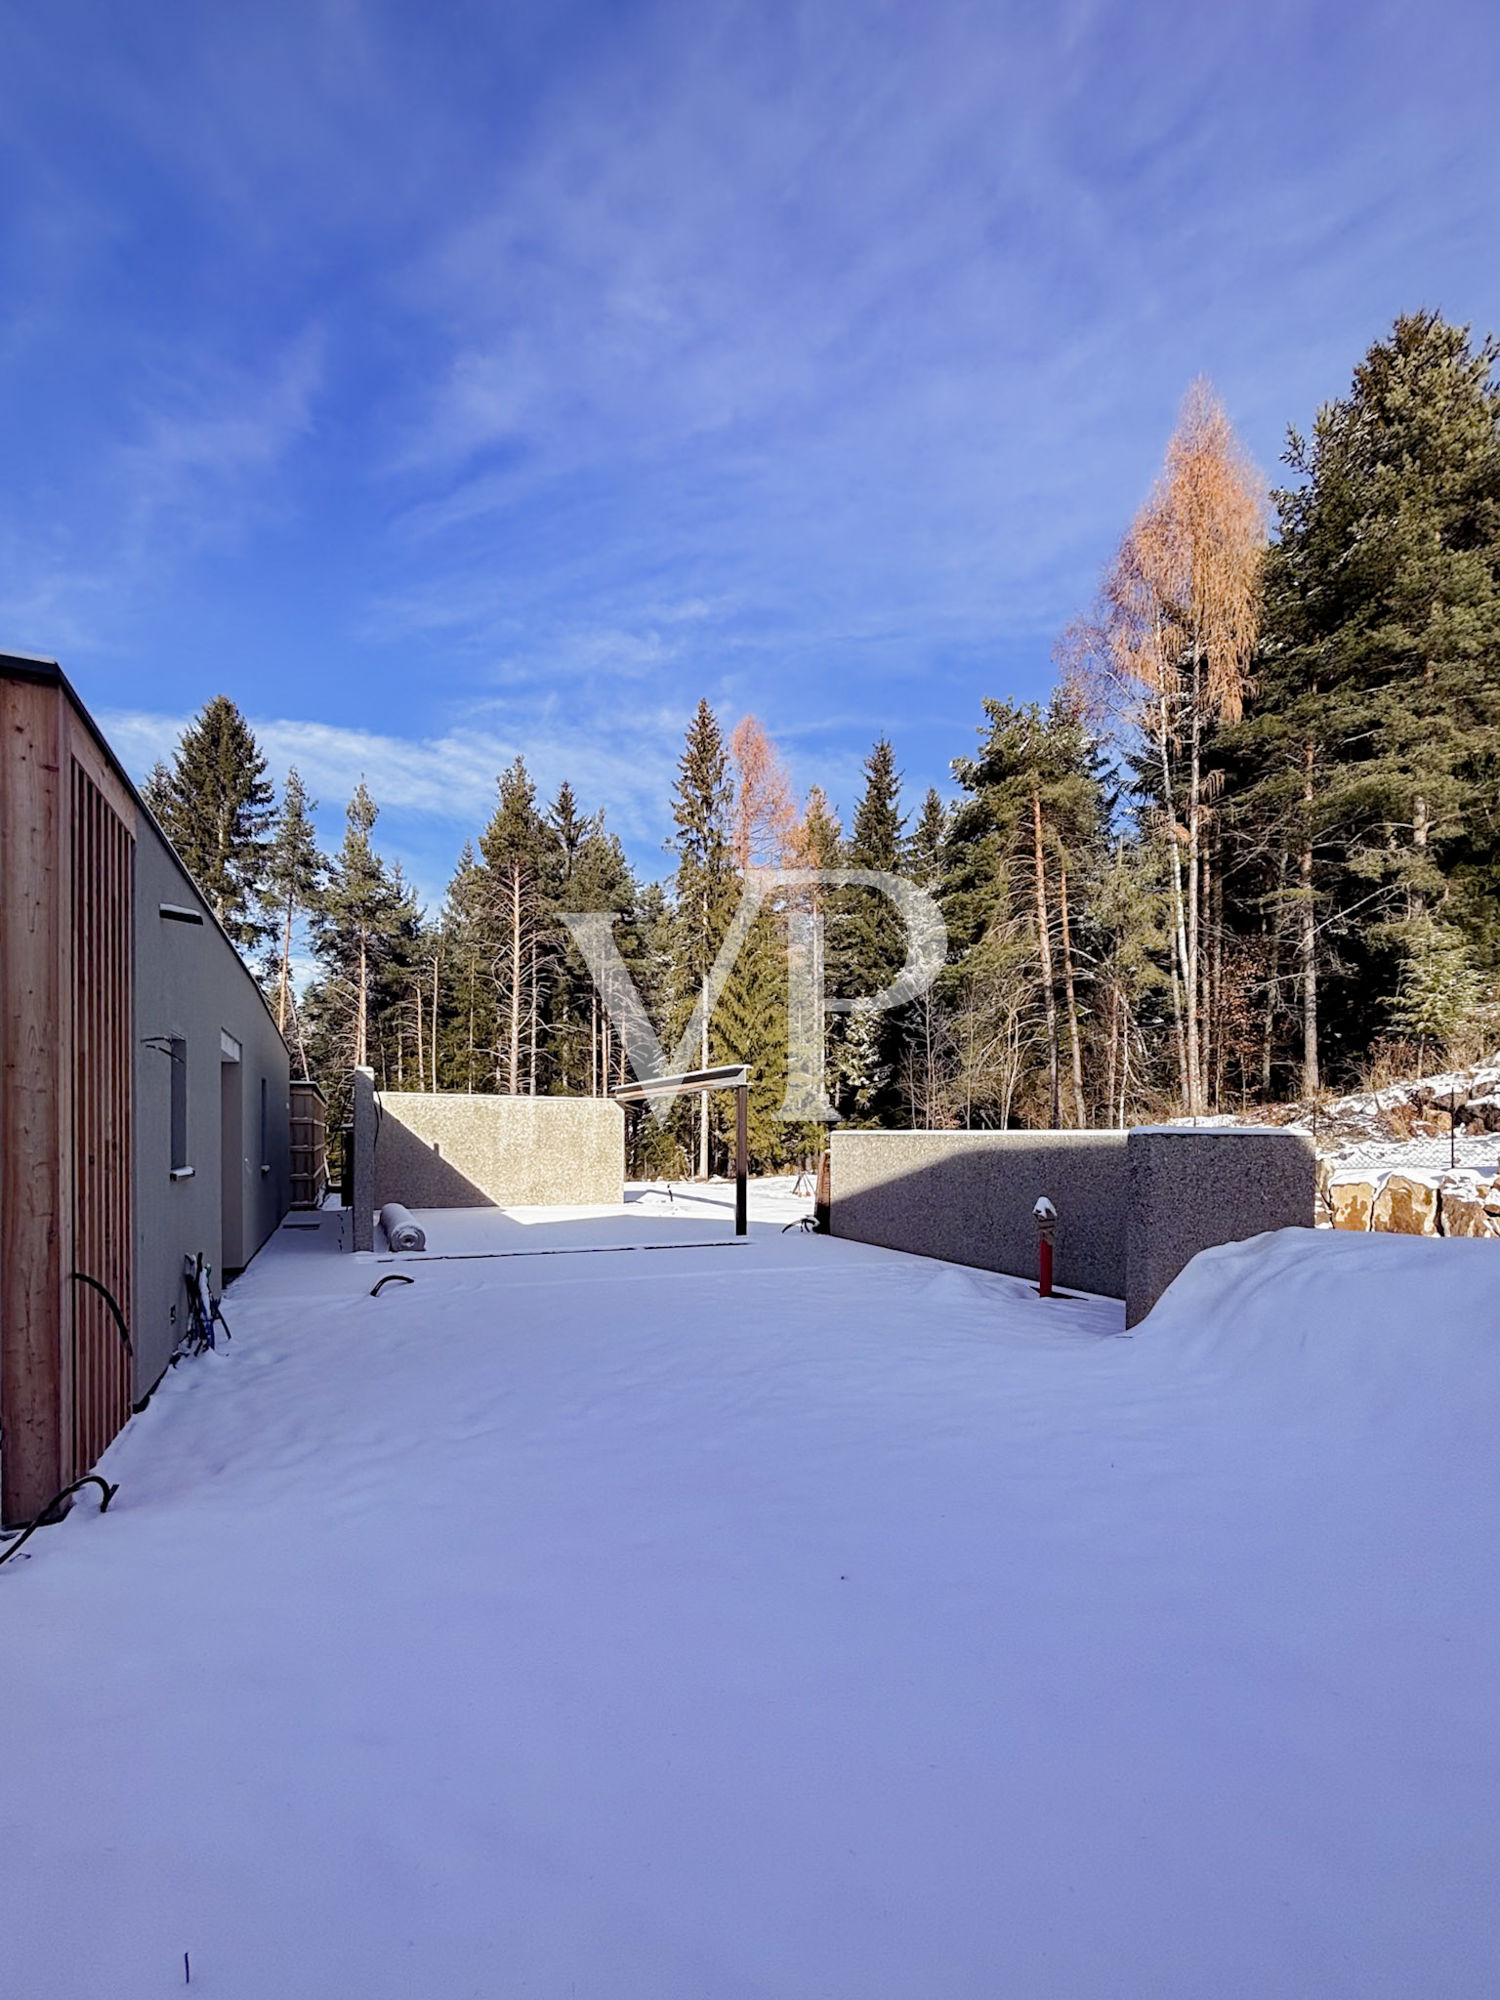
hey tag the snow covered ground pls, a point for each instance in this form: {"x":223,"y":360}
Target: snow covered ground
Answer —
{"x":770,"y":1621}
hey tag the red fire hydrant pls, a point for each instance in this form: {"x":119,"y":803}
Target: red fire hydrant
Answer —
{"x":1046,"y":1222}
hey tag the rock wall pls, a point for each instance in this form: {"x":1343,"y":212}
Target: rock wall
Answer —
{"x":1409,"y":1202}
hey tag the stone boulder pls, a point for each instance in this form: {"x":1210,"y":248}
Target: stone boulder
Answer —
{"x":1352,"y":1202}
{"x":1463,"y":1212}
{"x":1406,"y":1207}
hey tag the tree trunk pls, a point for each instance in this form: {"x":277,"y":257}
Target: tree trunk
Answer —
{"x":703,"y":1094}
{"x":1309,"y":939}
{"x":1080,"y":1110}
{"x":1044,"y":952}
{"x":284,"y":985}
{"x":361,"y":1013}
{"x":1195,"y":837}
{"x":1112,"y":1055}
{"x":473,"y":977}
{"x":515,"y":979}
{"x":1207,"y":1040}
{"x":1179,"y":920}
{"x":1416,"y":902}
{"x":436,"y":961}
{"x":1218,"y":1024}
{"x":531,"y":1064}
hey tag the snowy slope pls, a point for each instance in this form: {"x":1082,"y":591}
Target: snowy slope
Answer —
{"x":788,"y":1620}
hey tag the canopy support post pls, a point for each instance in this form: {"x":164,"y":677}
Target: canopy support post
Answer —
{"x":741,"y":1156}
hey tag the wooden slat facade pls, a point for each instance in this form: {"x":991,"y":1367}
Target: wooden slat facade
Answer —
{"x":102,"y":922}
{"x":67,"y":827}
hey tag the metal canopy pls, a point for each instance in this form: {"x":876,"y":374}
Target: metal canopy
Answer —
{"x":730,"y":1076}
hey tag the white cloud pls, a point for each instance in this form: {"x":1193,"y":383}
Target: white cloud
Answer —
{"x":436,"y":791}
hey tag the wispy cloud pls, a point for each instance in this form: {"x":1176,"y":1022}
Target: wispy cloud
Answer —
{"x":503,"y":383}
{"x":436,"y":791}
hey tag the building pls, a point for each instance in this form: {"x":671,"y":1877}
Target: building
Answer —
{"x":143,"y":1093}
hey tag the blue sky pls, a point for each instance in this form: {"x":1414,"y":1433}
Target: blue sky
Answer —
{"x":444,"y":381}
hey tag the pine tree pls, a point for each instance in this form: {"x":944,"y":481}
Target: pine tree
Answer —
{"x":512,"y":846}
{"x":705,"y":889}
{"x":293,"y":873}
{"x":924,"y":859}
{"x":362,"y":921}
{"x":214,"y":804}
{"x":878,"y":822}
{"x":750,"y":1022}
{"x":1439,"y":991}
{"x":1374,"y":737}
{"x":867,"y":945}
{"x":467,"y":1014}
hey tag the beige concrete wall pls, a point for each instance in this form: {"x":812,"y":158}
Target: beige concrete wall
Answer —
{"x":447,"y":1150}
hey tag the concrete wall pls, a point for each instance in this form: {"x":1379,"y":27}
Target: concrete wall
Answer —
{"x":968,"y":1197}
{"x":1192,"y":1187}
{"x":191,"y":984}
{"x":1133,"y":1208}
{"x":449,"y":1150}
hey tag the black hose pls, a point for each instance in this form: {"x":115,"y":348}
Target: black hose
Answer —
{"x":88,"y":1479}
{"x":390,"y":1278}
{"x":83,"y":1278}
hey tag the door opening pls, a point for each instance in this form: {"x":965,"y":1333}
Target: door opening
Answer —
{"x":231,"y":1167}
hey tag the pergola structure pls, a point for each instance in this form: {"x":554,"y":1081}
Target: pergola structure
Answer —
{"x":730,"y":1076}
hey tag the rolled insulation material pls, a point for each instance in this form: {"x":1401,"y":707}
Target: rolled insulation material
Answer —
{"x":402,"y":1231}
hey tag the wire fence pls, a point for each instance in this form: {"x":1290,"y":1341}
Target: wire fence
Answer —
{"x":1479,"y":1154}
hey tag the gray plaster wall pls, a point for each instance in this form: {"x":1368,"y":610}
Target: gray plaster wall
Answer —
{"x":968,"y":1197}
{"x":1133,"y":1208}
{"x":450,"y":1150}
{"x":191,"y":983}
{"x":1194,"y":1187}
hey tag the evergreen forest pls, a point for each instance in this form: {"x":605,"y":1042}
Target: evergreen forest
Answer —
{"x":1247,"y":851}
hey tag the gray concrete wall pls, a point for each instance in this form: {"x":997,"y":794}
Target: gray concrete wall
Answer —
{"x":365,"y":1119}
{"x":451,"y":1150}
{"x":191,"y":983}
{"x":1133,"y":1209}
{"x":968,"y":1197}
{"x":1194,"y":1187}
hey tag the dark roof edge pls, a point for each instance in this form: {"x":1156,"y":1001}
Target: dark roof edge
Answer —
{"x":35,"y":667}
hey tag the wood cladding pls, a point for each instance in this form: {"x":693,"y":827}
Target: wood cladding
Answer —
{"x":33,"y":1218}
{"x":67,"y":829}
{"x":102,"y":925}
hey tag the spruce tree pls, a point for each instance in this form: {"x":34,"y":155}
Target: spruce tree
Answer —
{"x":1374,"y":734}
{"x":512,"y":846}
{"x":705,"y":886}
{"x":359,"y":928}
{"x":867,"y":946}
{"x":925,"y":849}
{"x":214,"y":804}
{"x":467,"y":1024}
{"x":293,"y":873}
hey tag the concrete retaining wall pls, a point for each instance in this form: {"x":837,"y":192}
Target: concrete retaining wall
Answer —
{"x":1133,"y":1208}
{"x":1193,"y":1187}
{"x":448,"y":1150}
{"x":968,"y":1197}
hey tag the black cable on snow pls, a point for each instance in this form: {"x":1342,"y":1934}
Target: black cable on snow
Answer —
{"x":48,"y":1512}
